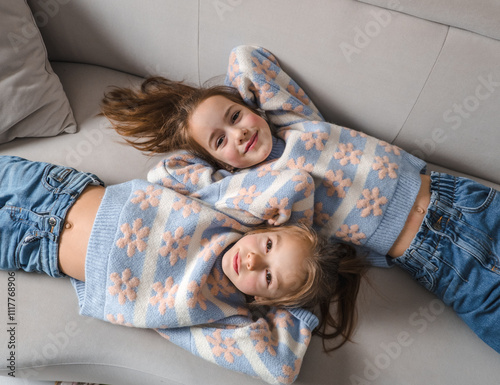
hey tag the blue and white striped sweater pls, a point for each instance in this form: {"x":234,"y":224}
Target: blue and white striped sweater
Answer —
{"x":364,"y":187}
{"x":154,"y":261}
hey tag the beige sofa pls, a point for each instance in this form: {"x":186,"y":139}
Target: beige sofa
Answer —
{"x":422,"y":75}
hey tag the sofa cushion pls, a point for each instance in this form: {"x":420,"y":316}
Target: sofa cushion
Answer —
{"x":479,"y":16}
{"x":32,"y":102}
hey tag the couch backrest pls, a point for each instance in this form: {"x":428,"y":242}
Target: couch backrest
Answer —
{"x":141,"y":38}
{"x":428,"y":87}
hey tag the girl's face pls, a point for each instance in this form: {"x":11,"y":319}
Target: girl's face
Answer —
{"x":266,"y":265}
{"x":230,"y":132}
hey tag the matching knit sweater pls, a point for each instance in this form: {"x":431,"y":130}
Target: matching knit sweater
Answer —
{"x":154,"y":261}
{"x":154,"y":255}
{"x":364,"y":187}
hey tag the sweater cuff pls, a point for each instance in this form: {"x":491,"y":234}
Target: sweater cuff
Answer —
{"x":305,"y":316}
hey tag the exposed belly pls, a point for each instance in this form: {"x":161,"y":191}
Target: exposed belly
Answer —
{"x":414,"y":220}
{"x":76,"y":232}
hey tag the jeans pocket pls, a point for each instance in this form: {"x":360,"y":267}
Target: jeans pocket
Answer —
{"x":473,"y":197}
{"x":56,"y":178}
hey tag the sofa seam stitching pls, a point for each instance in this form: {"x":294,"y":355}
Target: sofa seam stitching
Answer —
{"x":424,"y":85}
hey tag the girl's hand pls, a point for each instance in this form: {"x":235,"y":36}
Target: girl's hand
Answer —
{"x":277,"y":220}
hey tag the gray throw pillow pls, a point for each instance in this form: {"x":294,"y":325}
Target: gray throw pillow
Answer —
{"x":32,"y":100}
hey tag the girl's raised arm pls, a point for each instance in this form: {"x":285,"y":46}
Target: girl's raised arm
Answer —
{"x":250,"y":197}
{"x":271,"y":347}
{"x":263,"y":84}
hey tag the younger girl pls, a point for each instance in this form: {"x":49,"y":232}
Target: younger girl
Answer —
{"x":146,"y":256}
{"x":443,"y":230}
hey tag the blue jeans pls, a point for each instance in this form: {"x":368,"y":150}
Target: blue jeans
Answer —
{"x":34,"y":200}
{"x":455,"y":254}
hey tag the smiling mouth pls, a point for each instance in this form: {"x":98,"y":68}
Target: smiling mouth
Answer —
{"x":251,"y":142}
{"x":236,"y":264}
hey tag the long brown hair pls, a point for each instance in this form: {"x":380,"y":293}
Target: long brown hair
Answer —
{"x":154,"y":118}
{"x":332,"y":283}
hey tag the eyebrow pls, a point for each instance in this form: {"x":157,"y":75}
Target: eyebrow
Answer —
{"x":227,"y":111}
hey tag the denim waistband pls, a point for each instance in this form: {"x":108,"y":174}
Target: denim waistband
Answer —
{"x":75,"y":186}
{"x":443,"y":187}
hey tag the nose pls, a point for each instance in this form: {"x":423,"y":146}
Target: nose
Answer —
{"x":254,"y":261}
{"x":239,"y":134}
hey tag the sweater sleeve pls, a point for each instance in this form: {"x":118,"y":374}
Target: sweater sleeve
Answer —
{"x":270,"y":347}
{"x":184,"y":173}
{"x":262,"y":83}
{"x":251,"y":197}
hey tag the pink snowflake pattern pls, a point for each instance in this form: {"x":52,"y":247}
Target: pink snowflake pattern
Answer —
{"x":220,"y":284}
{"x":229,"y":222}
{"x":385,"y":167}
{"x":290,"y":373}
{"x":119,"y":320}
{"x":300,"y":164}
{"x":133,"y":237}
{"x":243,"y":311}
{"x":169,"y":289}
{"x":264,"y":69}
{"x":224,"y":346}
{"x":179,"y":161}
{"x":390,"y":148}
{"x":320,"y":218}
{"x":212,"y":247}
{"x":147,"y":198}
{"x":355,"y":133}
{"x":288,"y":107}
{"x":264,"y":91}
{"x":307,"y":333}
{"x":371,"y":202}
{"x":305,"y":183}
{"x":350,"y":234}
{"x":281,"y":319}
{"x":267,"y":169}
{"x":347,"y":154}
{"x":198,"y":297}
{"x":176,"y":253}
{"x":315,"y":139}
{"x":277,"y":208}
{"x":336,"y":183}
{"x":308,"y":217}
{"x":191,"y":173}
{"x":178,"y":187}
{"x":124,"y":280}
{"x":233,"y":67}
{"x":187,"y":208}
{"x":299,"y":94}
{"x":246,"y":195}
{"x":263,"y":336}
